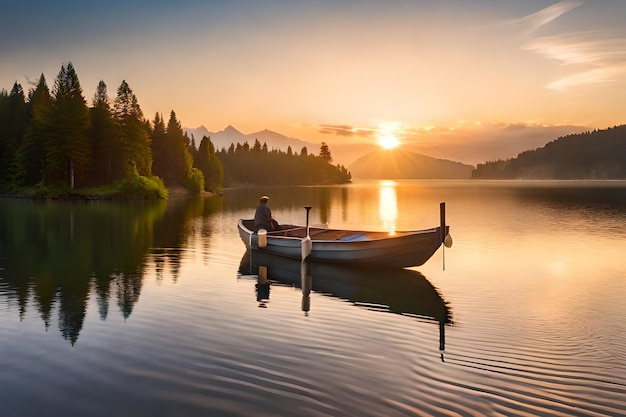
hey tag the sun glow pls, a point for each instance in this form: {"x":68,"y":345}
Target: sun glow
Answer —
{"x":387,"y":136}
{"x":388,"y":141}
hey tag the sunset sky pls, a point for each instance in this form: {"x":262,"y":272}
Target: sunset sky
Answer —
{"x":468,"y":80}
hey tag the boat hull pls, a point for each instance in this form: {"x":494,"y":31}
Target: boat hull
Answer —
{"x":407,"y":249}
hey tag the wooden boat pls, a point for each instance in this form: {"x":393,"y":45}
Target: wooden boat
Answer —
{"x":355,"y":247}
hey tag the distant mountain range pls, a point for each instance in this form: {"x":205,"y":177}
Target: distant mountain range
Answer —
{"x":596,"y":155}
{"x":397,"y":163}
{"x":401,"y":164}
{"x":230,"y":135}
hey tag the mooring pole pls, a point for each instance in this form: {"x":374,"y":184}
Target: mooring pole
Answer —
{"x":308,"y":208}
{"x":442,"y":218}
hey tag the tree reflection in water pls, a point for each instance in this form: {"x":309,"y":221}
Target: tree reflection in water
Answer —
{"x":56,"y":253}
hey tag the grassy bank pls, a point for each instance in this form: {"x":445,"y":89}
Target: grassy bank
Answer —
{"x":134,"y":188}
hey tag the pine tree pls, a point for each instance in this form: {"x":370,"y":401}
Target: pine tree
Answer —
{"x":256,"y":148}
{"x":32,"y":155}
{"x":159,"y":149}
{"x":325,"y":153}
{"x":13,"y":119}
{"x":107,"y":149}
{"x":133,"y":133}
{"x":193,"y":149}
{"x":68,"y":150}
{"x":210,"y":165}
{"x":4,"y":153}
{"x":179,"y":158}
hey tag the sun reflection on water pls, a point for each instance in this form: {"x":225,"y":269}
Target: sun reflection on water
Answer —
{"x":388,"y":207}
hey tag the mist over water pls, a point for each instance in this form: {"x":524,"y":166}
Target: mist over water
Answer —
{"x":156,"y":308}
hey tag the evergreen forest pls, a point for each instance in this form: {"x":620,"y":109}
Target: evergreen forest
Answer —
{"x":244,"y":164}
{"x":53,"y":144}
{"x":600,"y":154}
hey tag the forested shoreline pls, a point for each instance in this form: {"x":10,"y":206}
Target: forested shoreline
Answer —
{"x":52,"y":144}
{"x":259,"y":165}
{"x":600,"y":154}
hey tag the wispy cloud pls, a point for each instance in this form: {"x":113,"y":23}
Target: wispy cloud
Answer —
{"x":591,"y":48}
{"x":599,"y":58}
{"x":423,"y":134}
{"x":345,"y":130}
{"x":595,"y":76}
{"x":533,"y":22}
{"x":401,"y":131}
{"x":466,"y":141}
{"x":595,"y":57}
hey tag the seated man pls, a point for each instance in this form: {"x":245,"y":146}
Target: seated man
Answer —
{"x":263,"y":217}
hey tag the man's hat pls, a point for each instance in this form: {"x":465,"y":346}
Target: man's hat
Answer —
{"x":265,"y":198}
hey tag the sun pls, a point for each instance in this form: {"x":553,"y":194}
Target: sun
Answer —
{"x":388,"y":141}
{"x":386,"y":135}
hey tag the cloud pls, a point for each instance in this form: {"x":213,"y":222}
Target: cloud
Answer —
{"x":595,"y":57}
{"x":534,"y":21}
{"x":339,"y":130}
{"x":470,"y":142}
{"x":345,"y":130}
{"x":595,"y":76}
{"x":601,"y":59}
{"x":593,"y":48}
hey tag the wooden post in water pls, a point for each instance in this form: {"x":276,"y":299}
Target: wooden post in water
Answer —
{"x":307,"y":208}
{"x":442,"y":218}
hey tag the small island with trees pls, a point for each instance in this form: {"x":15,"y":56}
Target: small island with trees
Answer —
{"x":53,"y":145}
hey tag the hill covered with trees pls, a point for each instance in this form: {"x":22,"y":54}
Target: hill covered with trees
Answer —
{"x":600,"y":154}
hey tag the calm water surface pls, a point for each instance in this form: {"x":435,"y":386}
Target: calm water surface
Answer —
{"x":156,"y":309}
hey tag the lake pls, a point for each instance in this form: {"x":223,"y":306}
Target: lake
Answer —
{"x":156,"y":309}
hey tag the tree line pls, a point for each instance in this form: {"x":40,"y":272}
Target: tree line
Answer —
{"x":257,"y":164}
{"x":52,"y":139}
{"x":600,"y":154}
{"x":52,"y":142}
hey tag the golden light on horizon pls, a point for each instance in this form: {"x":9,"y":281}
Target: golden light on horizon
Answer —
{"x":388,"y":141}
{"x":387,"y":135}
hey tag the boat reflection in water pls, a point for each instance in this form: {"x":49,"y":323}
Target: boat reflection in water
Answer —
{"x":395,"y":290}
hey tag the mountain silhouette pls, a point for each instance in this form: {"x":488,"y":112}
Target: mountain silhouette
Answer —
{"x":401,"y":164}
{"x":230,"y":135}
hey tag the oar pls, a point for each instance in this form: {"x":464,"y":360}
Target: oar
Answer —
{"x":307,"y":245}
